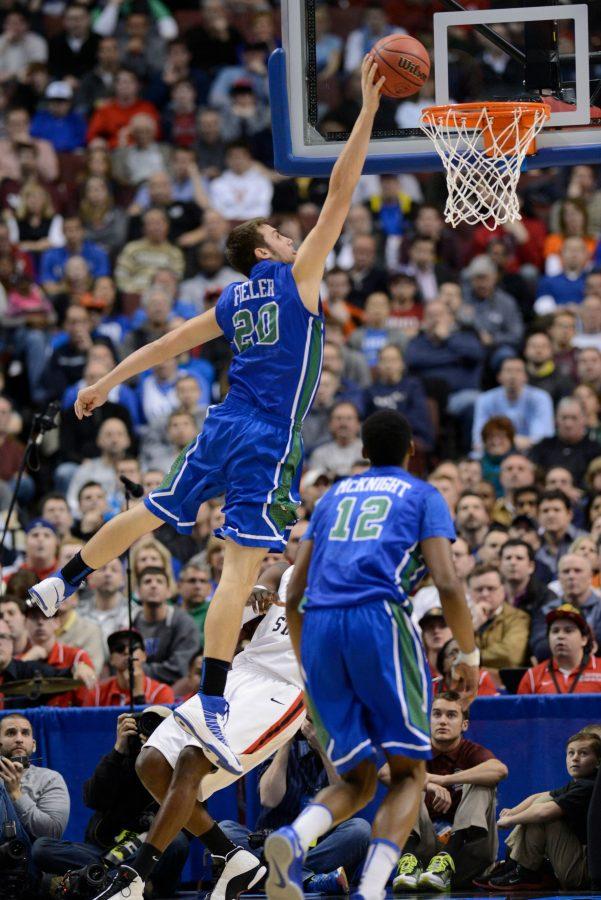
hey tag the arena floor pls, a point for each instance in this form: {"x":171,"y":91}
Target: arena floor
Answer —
{"x":473,"y":895}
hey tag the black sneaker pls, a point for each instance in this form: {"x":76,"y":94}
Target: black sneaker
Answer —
{"x":500,"y":868}
{"x":516,"y":879}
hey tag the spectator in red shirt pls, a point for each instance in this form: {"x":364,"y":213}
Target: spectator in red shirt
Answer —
{"x":456,"y":829}
{"x":115,"y":691}
{"x":41,"y":549}
{"x":111,"y":121}
{"x":572,"y":669}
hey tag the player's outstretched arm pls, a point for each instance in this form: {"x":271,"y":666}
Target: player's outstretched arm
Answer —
{"x":197,"y":331}
{"x":438,"y":558}
{"x":295,"y":593}
{"x":311,"y":257}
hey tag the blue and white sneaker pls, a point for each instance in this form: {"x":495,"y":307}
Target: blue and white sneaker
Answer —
{"x":285,"y":856}
{"x":204,"y":717}
{"x":50,"y":593}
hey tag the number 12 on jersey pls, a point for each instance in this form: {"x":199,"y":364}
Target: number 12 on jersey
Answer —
{"x":368,"y":527}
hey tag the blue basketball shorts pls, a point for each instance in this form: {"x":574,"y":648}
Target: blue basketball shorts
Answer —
{"x":368,"y":683}
{"x":252,"y":458}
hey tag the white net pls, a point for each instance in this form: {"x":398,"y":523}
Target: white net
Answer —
{"x":482,"y":148}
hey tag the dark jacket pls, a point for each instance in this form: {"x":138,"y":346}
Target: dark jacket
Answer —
{"x":62,"y":60}
{"x":408,"y":398}
{"x":554,"y":383}
{"x":78,"y":438}
{"x":552,"y":451}
{"x":457,"y":361}
{"x":118,"y":797}
{"x":169,"y":644}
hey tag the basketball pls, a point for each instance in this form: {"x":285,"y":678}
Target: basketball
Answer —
{"x":405,"y":63}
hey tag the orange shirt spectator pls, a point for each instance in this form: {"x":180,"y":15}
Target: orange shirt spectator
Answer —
{"x":111,"y":120}
{"x":110,"y":693}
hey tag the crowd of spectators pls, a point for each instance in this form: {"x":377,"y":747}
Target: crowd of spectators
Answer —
{"x":132,"y":138}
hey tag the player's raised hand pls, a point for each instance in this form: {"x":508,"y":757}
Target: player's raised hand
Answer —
{"x":261,"y":599}
{"x":371,"y":85}
{"x":89,"y":399}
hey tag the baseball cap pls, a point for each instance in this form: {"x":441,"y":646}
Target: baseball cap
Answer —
{"x":118,"y":637}
{"x":40,"y":523}
{"x":567,"y":611}
{"x":59,"y":90}
{"x":434,"y":613}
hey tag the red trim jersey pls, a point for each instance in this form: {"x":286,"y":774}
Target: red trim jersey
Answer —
{"x":538,"y":679}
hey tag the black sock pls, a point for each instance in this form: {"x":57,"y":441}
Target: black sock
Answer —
{"x":145,"y":860}
{"x":214,"y":676}
{"x":216,"y":842}
{"x":76,"y":570}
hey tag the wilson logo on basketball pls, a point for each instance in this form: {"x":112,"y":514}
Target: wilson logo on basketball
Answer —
{"x":412,"y":68}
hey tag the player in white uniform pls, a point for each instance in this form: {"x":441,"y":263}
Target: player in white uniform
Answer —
{"x":265,"y":695}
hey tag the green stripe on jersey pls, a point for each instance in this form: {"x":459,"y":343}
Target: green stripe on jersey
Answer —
{"x":313,"y":370}
{"x":175,"y":469}
{"x":413,"y":686}
{"x":282,"y":510}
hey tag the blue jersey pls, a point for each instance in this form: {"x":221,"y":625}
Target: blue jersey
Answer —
{"x":367,"y":531}
{"x":277,"y":343}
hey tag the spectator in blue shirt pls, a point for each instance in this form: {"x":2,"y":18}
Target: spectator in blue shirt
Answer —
{"x":568,"y":286}
{"x":65,"y":129}
{"x":52,"y":268}
{"x":375,"y":333}
{"x":529,"y":408}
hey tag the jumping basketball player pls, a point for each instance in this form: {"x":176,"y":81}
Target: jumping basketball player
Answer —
{"x":370,"y":541}
{"x":265,"y":696}
{"x":250,"y":447}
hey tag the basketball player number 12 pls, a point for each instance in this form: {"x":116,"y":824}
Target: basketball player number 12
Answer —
{"x":368,"y":527}
{"x":265,"y":330}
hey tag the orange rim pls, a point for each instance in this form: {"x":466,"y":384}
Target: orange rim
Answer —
{"x":471,"y":112}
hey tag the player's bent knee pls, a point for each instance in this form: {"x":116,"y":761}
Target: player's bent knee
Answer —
{"x":149,"y":766}
{"x":189,"y":767}
{"x":364,"y":780}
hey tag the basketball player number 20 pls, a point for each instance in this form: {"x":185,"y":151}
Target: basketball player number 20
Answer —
{"x":368,"y":527}
{"x":262,"y":330}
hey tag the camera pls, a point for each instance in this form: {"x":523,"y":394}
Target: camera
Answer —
{"x":256,"y":839}
{"x":78,"y":884}
{"x":14,"y":857}
{"x":147,"y":722}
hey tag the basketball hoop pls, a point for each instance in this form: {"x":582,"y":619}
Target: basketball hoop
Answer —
{"x":482,"y":147}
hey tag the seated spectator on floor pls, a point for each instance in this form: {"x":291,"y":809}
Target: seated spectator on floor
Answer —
{"x":516,"y":471}
{"x":287,"y":783}
{"x":502,"y":631}
{"x":576,"y":587}
{"x":571,"y":667}
{"x":393,"y":389}
{"x":59,"y":123}
{"x":139,"y":260}
{"x":108,"y":605}
{"x":186,"y":687}
{"x":529,"y":408}
{"x":556,"y":528}
{"x":338,"y":455}
{"x":472,"y":521}
{"x":447,"y":656}
{"x":571,"y":447}
{"x":52,"y":266}
{"x":170,"y":634}
{"x":112,"y":119}
{"x":542,"y":370}
{"x":435,"y":634}
{"x":122,"y":809}
{"x":115,"y":690}
{"x":455,"y":837}
{"x":41,"y":551}
{"x":195,"y":591}
{"x":550,"y":826}
{"x":35,"y":798}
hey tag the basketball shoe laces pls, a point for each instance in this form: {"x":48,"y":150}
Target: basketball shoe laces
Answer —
{"x":441,"y":862}
{"x":407,"y":864}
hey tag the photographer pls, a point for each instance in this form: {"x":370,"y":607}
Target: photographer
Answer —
{"x":35,"y":798}
{"x":115,"y":691}
{"x":123,"y":811}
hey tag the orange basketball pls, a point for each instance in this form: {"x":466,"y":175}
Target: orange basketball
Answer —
{"x":405,"y":63}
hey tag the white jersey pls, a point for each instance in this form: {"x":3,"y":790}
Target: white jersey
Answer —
{"x":270,"y":647}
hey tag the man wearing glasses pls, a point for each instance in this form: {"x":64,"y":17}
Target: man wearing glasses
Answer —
{"x":115,"y":691}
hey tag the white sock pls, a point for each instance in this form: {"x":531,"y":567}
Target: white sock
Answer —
{"x":382,"y":857}
{"x":314,"y":821}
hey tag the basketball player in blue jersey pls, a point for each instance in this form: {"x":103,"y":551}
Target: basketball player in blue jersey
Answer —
{"x":371,"y":540}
